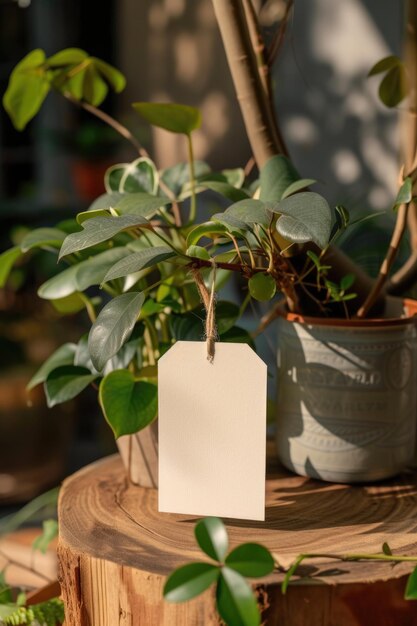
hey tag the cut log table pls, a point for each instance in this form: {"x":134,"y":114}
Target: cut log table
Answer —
{"x":115,"y":551}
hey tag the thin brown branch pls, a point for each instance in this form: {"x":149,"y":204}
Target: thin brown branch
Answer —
{"x":407,"y":274}
{"x":279,"y":37}
{"x":110,"y":121}
{"x":399,"y":229}
{"x":258,"y":45}
{"x":126,"y":134}
{"x":404,"y":278}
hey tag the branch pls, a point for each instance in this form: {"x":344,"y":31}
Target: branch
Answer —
{"x":243,"y":66}
{"x":399,"y":229}
{"x":258,"y":46}
{"x":125,"y":132}
{"x":404,"y":278}
{"x":108,"y":119}
{"x":278,"y":39}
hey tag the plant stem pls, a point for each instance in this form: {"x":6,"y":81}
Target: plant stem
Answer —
{"x":89,"y":307}
{"x":193,"y":201}
{"x":110,"y":121}
{"x":241,"y":58}
{"x":258,"y":46}
{"x":399,"y":229}
{"x":125,"y":132}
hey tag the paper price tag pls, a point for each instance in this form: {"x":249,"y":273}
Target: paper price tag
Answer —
{"x":212,"y":431}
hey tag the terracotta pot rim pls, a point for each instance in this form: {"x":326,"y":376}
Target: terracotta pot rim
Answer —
{"x":409,"y":305}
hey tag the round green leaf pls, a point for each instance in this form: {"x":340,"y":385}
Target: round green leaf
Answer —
{"x":189,"y":581}
{"x":66,"y":382}
{"x":262,"y":287}
{"x":277,"y":175}
{"x":304,"y":217}
{"x":112,"y":75}
{"x":251,"y":559}
{"x":69,"y":56}
{"x":113,"y":327}
{"x":211,"y":536}
{"x":24,"y":96}
{"x":384,"y":65}
{"x":128,"y":405}
{"x":235,"y":600}
{"x":177,"y":118}
{"x":249,"y":211}
{"x":394,"y":86}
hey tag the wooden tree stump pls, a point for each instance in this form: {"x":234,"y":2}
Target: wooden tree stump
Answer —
{"x":116,"y":550}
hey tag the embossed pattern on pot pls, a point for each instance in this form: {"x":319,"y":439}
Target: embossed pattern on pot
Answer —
{"x":346,"y":400}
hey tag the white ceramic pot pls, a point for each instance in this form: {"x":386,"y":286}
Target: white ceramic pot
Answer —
{"x":139,"y":454}
{"x":347,"y":396}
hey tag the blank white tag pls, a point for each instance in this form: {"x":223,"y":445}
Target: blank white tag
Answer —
{"x":212,"y":431}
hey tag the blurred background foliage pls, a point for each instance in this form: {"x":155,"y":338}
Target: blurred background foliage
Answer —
{"x":170,"y":50}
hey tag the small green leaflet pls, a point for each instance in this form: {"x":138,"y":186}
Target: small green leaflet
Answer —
{"x":189,"y":581}
{"x":235,"y":600}
{"x":262,"y":286}
{"x":27,"y":89}
{"x":211,"y":536}
{"x":177,"y":118}
{"x":405,"y":193}
{"x":251,"y":560}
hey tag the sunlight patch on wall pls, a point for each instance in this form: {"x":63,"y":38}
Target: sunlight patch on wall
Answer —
{"x":346,"y":166}
{"x":339,"y":32}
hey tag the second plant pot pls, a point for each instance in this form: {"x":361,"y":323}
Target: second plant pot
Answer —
{"x":139,"y":454}
{"x":347,"y":395}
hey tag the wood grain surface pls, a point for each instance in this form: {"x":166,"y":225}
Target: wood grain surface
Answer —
{"x":116,"y":550}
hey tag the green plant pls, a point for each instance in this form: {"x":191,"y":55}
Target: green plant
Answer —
{"x":236,"y":601}
{"x":130,"y":261}
{"x":14,"y":608}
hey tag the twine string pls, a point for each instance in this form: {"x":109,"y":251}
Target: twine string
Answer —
{"x":209,"y":301}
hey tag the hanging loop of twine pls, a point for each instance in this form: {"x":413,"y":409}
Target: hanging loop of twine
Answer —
{"x":209,"y":301}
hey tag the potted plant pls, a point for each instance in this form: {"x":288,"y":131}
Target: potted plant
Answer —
{"x":142,"y":245}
